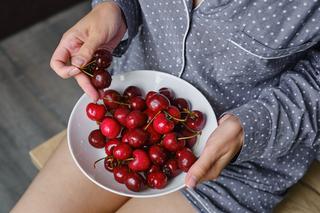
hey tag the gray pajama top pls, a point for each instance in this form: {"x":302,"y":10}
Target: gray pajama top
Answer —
{"x":256,"y":59}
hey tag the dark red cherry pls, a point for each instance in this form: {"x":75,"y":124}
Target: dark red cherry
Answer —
{"x":186,"y":159}
{"x":136,"y":137}
{"x":190,"y":142}
{"x":136,"y":119}
{"x":110,"y":145}
{"x":95,"y":112}
{"x":122,"y":151}
{"x":157,"y":180}
{"x":103,"y":58}
{"x":175,"y":113}
{"x":157,"y":155}
{"x":120,"y":173}
{"x":121,"y":114}
{"x":157,"y":102}
{"x":168,"y":93}
{"x":149,"y":114}
{"x":196,"y":120}
{"x":137,"y":103}
{"x":154,"y":136}
{"x":111,"y":99}
{"x":132,"y":91}
{"x":172,"y":143}
{"x":149,"y":94}
{"x":96,"y":139}
{"x":134,"y":182}
{"x":110,"y":164}
{"x":141,"y":161}
{"x":181,"y":103}
{"x":162,"y":124}
{"x":171,"y":168}
{"x":101,"y":79}
{"x":153,"y":168}
{"x":110,"y":128}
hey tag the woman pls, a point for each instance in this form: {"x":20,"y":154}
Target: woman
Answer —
{"x":257,"y":62}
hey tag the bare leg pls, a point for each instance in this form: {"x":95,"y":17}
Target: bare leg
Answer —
{"x":172,"y":203}
{"x":61,"y":187}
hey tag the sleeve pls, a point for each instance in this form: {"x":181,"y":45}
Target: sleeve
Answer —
{"x":132,"y":12}
{"x":284,"y":116}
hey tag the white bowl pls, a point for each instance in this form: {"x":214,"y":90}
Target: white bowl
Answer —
{"x":80,"y":126}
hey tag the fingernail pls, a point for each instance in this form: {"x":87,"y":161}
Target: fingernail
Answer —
{"x":192,"y":182}
{"x":74,"y":71}
{"x":78,"y":61}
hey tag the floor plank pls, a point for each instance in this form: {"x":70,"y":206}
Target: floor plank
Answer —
{"x":35,"y":102}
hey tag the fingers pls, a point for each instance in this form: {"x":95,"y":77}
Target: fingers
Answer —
{"x":87,"y":87}
{"x":86,"y":51}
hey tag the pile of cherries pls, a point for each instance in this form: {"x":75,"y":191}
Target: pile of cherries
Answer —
{"x":96,"y":69}
{"x":147,"y":140}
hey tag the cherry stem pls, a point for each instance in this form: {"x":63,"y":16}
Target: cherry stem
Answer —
{"x":148,"y":124}
{"x":117,"y":102}
{"x":91,"y":62}
{"x":174,"y":118}
{"x":94,"y":165}
{"x":188,"y":128}
{"x":191,"y":136}
{"x":128,"y":159}
{"x":85,"y":72}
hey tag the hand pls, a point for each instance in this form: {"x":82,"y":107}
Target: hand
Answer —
{"x":102,"y":27}
{"x":222,"y":146}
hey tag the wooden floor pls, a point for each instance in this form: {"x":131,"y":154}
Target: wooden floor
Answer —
{"x":35,"y":104}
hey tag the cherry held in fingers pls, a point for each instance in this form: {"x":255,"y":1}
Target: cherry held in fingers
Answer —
{"x":101,"y":79}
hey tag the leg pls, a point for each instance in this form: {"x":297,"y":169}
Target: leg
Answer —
{"x":61,"y":187}
{"x":171,"y":203}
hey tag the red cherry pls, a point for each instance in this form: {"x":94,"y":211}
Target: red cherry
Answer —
{"x":154,"y":136}
{"x":172,"y":143}
{"x":157,"y":102}
{"x":141,"y":161}
{"x":96,"y":139}
{"x":121,"y":114}
{"x":137,"y":103}
{"x":101,"y":79}
{"x":110,"y":127}
{"x":175,"y":113}
{"x":110,"y":146}
{"x":136,"y":119}
{"x":103,"y":58}
{"x":162,"y":124}
{"x":171,"y":168}
{"x":181,"y":103}
{"x":111,"y":98}
{"x":153,"y":168}
{"x":168,"y":93}
{"x":149,"y":114}
{"x":191,"y":141}
{"x":120,"y":173}
{"x":134,"y":182}
{"x":149,"y":94}
{"x":196,"y":120}
{"x":132,"y":91}
{"x":185,"y":159}
{"x":157,"y":155}
{"x":122,"y":151}
{"x":136,"y":137}
{"x":157,"y":180}
{"x":95,"y":112}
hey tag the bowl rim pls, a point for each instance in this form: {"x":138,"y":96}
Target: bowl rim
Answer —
{"x":109,"y":189}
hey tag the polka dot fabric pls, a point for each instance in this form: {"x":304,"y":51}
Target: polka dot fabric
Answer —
{"x":258,"y":60}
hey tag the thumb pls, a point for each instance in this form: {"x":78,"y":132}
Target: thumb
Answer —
{"x":200,"y":168}
{"x":86,"y":51}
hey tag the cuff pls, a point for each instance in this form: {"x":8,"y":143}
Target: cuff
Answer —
{"x":256,"y":122}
